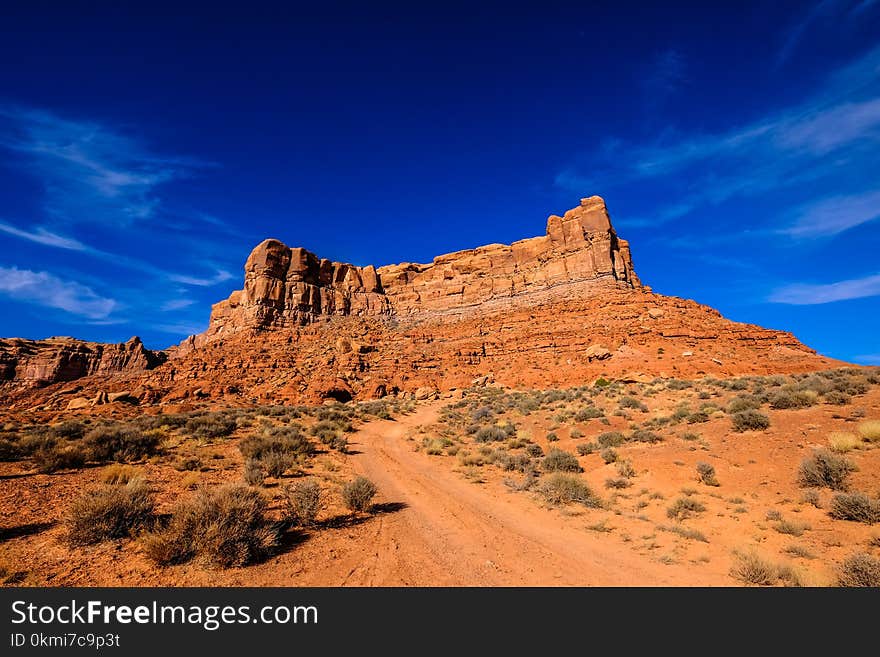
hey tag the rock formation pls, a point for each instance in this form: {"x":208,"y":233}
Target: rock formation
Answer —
{"x":286,"y":287}
{"x":42,"y":362}
{"x":552,"y":311}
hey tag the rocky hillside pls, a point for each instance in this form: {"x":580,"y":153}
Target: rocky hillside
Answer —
{"x":555,"y":310}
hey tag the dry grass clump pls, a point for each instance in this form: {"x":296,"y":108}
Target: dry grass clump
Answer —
{"x":120,"y":443}
{"x":749,"y":420}
{"x":859,"y":570}
{"x":225,"y":527}
{"x":55,"y":457}
{"x":119,"y":474}
{"x":707,"y":474}
{"x":562,"y":488}
{"x":842,"y":441}
{"x":753,"y":569}
{"x":825,"y":469}
{"x":558,"y":460}
{"x":856,"y":506}
{"x":358,"y":494}
{"x":109,"y":512}
{"x":685,"y":507}
{"x":870,"y":430}
{"x":303,"y":501}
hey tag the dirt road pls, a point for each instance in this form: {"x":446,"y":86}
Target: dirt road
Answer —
{"x":454,"y":532}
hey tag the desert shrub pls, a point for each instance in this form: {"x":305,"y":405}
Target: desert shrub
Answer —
{"x":617,"y":482}
{"x":610,"y":439}
{"x":303,"y":501}
{"x":855,"y":506}
{"x":837,"y":398}
{"x":707,"y":474}
{"x":510,"y":462}
{"x":58,"y":457}
{"x":188,"y":463}
{"x":749,"y":421}
{"x":825,"y":469}
{"x":625,"y":469}
{"x":576,"y":433}
{"x":340,"y":444}
{"x":120,"y":443}
{"x":743,"y":403}
{"x":811,"y":496}
{"x":586,"y":448}
{"x":276,"y":463}
{"x":490,"y":434}
{"x":481,"y":414}
{"x":588,"y":413}
{"x":565,"y":488}
{"x":225,"y":527}
{"x":859,"y":570}
{"x":870,"y":430}
{"x":358,"y":494}
{"x":842,"y":442}
{"x":644,"y":436}
{"x":552,"y":437}
{"x":690,"y":436}
{"x":632,"y":402}
{"x":609,"y":455}
{"x":535,"y":451}
{"x":789,"y":399}
{"x":211,"y":425}
{"x":685,"y":507}
{"x":752,"y":569}
{"x":697,"y":417}
{"x":685,"y":532}
{"x":558,"y":460}
{"x":286,"y":440}
{"x":790,"y":527}
{"x":118,"y":474}
{"x":109,"y":512}
{"x":69,"y":430}
{"x":851,"y":386}
{"x":253,"y":472}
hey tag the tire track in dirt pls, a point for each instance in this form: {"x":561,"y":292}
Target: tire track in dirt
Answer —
{"x":453,"y":532}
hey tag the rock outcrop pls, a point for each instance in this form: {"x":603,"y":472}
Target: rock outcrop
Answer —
{"x":553,"y":311}
{"x":43,"y":362}
{"x":286,"y":287}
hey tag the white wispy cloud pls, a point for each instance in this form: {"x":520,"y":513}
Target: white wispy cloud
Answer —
{"x":43,"y":236}
{"x":219,"y":277}
{"x":90,"y":173}
{"x":803,"y":294}
{"x":836,"y":129}
{"x":180,"y":328}
{"x":44,"y":289}
{"x":176,"y":304}
{"x":836,"y":214}
{"x":868,"y":359}
{"x":805,"y":21}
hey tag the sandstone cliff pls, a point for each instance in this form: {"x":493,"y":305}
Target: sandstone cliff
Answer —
{"x":552,"y":311}
{"x":286,"y":287}
{"x":42,"y":362}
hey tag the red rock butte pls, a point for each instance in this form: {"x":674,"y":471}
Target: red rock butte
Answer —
{"x":289,"y":286}
{"x":557,"y":310}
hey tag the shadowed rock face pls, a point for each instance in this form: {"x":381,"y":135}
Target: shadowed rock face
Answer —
{"x":42,"y":362}
{"x":290,"y":286}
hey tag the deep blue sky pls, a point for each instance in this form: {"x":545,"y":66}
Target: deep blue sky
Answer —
{"x":144,"y":152}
